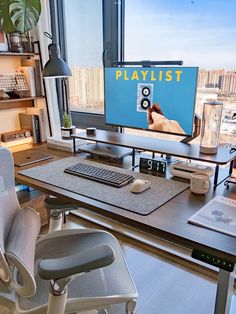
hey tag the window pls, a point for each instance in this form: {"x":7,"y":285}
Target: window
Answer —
{"x":201,"y":33}
{"x":84,"y":41}
{"x":85,"y":29}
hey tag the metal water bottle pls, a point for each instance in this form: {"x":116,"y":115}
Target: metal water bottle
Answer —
{"x":211,"y":121}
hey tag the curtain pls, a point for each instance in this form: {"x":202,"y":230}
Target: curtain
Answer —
{"x":44,"y":25}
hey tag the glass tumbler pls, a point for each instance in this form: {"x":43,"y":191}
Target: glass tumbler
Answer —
{"x":211,"y":121}
{"x":16,"y":42}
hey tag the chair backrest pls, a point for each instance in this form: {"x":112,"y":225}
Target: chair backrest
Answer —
{"x":9,"y":205}
{"x":19,"y":229}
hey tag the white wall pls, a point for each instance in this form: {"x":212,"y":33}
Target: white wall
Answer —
{"x":9,"y":119}
{"x":44,"y":26}
{"x":9,"y":64}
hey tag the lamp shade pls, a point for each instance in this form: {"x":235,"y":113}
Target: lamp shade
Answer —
{"x":55,"y":67}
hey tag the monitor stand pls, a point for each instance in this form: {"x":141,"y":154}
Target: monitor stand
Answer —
{"x":106,"y":150}
{"x":197,"y":129}
{"x":196,"y":132}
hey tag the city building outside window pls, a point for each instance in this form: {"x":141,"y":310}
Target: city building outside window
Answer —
{"x":201,"y":33}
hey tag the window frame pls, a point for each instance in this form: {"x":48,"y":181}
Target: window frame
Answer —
{"x":113,"y":51}
{"x":57,"y":28}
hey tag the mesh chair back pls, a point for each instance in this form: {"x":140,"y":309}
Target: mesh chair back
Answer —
{"x":19,"y":229}
{"x":20,"y":251}
{"x":9,"y":205}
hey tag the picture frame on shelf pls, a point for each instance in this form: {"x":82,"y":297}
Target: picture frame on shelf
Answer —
{"x":3,"y":42}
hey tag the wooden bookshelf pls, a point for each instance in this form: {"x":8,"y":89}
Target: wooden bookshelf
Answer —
{"x":20,"y":99}
{"x":16,"y":105}
{"x":10,"y":107}
{"x":18,"y":102}
{"x":16,"y":54}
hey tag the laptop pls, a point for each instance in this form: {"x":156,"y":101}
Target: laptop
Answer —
{"x":29,"y":156}
{"x":106,"y":150}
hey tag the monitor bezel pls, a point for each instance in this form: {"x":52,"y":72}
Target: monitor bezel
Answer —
{"x":144,"y":129}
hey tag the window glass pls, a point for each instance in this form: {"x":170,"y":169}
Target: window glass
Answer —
{"x":201,"y":33}
{"x":83,"y":23}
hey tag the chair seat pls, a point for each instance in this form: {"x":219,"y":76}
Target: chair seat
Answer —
{"x":105,"y":286}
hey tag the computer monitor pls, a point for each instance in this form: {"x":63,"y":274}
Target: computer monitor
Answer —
{"x":160,"y":99}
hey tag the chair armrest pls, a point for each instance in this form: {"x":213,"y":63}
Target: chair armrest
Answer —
{"x":81,"y":262}
{"x":52,"y":203}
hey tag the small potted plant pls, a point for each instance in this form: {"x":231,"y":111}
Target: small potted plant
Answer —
{"x":67,"y":129}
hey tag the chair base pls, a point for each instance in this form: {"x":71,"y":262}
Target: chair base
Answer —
{"x":9,"y":301}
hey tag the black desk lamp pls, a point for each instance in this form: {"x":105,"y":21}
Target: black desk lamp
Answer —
{"x":56,"y":67}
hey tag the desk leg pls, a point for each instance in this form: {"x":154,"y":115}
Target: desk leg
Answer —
{"x":216,"y":183}
{"x":133,"y":159}
{"x":231,"y":167}
{"x":224,"y":292}
{"x":74,"y":147}
{"x":216,"y":175}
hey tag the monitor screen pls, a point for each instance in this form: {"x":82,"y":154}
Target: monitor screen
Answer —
{"x":160,"y":99}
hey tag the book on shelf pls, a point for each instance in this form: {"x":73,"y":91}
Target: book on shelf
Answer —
{"x":41,"y":104}
{"x":38,"y":79}
{"x":31,"y":122}
{"x":29,"y":74}
{"x":40,"y":112}
{"x":219,"y":215}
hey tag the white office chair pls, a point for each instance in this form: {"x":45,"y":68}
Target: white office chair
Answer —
{"x":66,"y":271}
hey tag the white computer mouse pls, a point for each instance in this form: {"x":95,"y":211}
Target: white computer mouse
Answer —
{"x":139,"y":186}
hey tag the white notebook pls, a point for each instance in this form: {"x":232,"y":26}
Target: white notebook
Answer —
{"x":219,"y":214}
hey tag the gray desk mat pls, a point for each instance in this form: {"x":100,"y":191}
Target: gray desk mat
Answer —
{"x":161,"y":191}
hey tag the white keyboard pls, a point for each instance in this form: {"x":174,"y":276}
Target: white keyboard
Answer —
{"x":13,"y":81}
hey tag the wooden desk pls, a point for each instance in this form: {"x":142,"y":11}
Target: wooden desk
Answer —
{"x":168,"y":222}
{"x":178,"y":149}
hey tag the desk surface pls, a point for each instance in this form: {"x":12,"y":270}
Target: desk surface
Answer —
{"x":177,"y":149}
{"x":168,"y":222}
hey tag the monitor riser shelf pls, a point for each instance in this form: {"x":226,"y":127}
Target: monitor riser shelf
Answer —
{"x":164,"y":147}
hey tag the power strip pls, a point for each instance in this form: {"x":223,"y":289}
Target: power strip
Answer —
{"x":185,"y":169}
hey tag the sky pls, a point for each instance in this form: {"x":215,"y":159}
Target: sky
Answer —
{"x":199,"y":32}
{"x":84,"y":32}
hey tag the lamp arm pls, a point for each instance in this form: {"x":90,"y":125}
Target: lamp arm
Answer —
{"x":65,"y":103}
